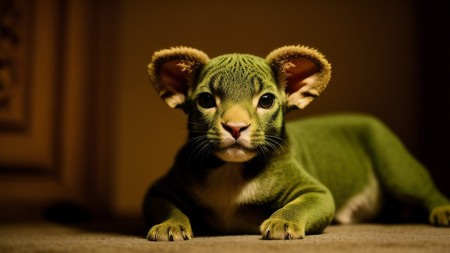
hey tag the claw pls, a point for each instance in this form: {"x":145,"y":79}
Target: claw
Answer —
{"x":267,"y":235}
{"x":183,"y":234}
{"x":276,"y":229}
{"x":287,"y":236}
{"x":153,"y":237}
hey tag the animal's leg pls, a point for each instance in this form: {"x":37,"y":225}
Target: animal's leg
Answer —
{"x":403,"y":176}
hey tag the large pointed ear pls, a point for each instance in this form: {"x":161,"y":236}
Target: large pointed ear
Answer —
{"x":173,"y":71}
{"x":303,"y":72}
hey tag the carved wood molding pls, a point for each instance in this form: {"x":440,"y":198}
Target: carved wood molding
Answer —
{"x":57,"y":149}
{"x":15,"y":17}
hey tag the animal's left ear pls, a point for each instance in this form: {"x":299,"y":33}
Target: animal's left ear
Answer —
{"x":303,"y":72}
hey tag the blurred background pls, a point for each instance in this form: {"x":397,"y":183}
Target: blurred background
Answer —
{"x":82,"y":131}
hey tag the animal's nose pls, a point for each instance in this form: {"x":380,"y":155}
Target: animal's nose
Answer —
{"x":235,"y":128}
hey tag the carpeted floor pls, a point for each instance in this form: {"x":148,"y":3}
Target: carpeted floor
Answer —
{"x":123,"y":237}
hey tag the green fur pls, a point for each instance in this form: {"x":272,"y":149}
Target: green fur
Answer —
{"x":355,"y":146}
{"x":244,"y":170}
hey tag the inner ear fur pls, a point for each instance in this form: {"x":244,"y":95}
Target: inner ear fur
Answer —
{"x":173,"y":71}
{"x":302,"y":72}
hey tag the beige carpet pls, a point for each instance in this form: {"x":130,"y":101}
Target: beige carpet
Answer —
{"x":125,"y":237}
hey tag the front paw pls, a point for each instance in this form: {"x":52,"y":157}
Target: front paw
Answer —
{"x":440,"y":216}
{"x":170,"y":231}
{"x":277,"y":229}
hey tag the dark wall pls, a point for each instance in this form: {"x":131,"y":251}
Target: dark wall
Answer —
{"x":434,"y":20}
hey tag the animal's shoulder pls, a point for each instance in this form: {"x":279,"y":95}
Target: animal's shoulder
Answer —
{"x":334,"y":123}
{"x":333,"y":136}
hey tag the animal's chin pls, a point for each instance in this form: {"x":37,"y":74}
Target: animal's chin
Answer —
{"x":235,"y":153}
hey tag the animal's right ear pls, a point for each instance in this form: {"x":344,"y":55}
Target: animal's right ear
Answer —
{"x":173,"y":71}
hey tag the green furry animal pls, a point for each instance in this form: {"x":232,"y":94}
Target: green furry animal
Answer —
{"x":244,"y":170}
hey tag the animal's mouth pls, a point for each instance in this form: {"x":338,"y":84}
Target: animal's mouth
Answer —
{"x":235,"y":153}
{"x":237,"y":148}
{"x":236,"y":144}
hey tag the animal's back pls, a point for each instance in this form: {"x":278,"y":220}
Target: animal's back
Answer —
{"x":335,"y":150}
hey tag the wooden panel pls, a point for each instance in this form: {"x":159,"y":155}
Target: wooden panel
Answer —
{"x":48,"y":133}
{"x":25,"y":140}
{"x":14,"y":43}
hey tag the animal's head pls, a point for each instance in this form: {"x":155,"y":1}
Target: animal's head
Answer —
{"x":236,"y":102}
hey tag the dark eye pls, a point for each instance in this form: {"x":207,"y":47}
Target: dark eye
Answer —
{"x":206,"y":100}
{"x":266,"y":101}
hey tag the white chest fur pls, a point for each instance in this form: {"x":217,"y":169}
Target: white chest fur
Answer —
{"x":224,"y":190}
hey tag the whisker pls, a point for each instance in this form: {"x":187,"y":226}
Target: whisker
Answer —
{"x":198,"y":131}
{"x":263,"y":150}
{"x":198,"y":144}
{"x":193,"y":124}
{"x":197,"y":141}
{"x":277,"y":142}
{"x":271,"y":144}
{"x":205,"y":151}
{"x":201,"y":147}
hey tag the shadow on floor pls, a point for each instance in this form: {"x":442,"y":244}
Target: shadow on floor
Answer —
{"x":72,"y":215}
